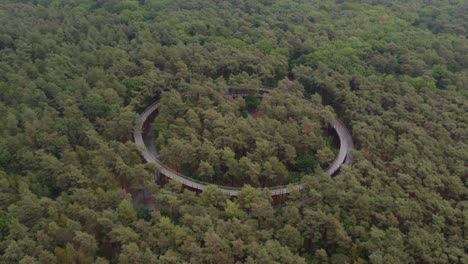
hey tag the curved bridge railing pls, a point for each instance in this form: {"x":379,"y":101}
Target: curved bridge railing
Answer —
{"x":149,"y":153}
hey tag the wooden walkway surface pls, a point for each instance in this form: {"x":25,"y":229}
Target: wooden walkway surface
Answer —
{"x":149,"y":153}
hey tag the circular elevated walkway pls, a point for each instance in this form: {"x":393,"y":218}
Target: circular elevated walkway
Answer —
{"x":144,"y":141}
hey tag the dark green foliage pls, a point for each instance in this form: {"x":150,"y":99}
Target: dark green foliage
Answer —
{"x":144,"y":213}
{"x":305,"y":163}
{"x":74,"y":75}
{"x":251,"y":102}
{"x":4,"y":226}
{"x":93,"y":106}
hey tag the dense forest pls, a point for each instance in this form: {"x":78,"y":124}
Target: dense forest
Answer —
{"x":262,"y":140}
{"x":74,"y":76}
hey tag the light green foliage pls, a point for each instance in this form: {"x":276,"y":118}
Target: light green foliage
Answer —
{"x":212,"y":196}
{"x":291,"y":237}
{"x":126,"y":212}
{"x":233,"y":210}
{"x":123,"y":235}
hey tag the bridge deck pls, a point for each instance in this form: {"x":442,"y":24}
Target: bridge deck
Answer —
{"x":149,"y":153}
